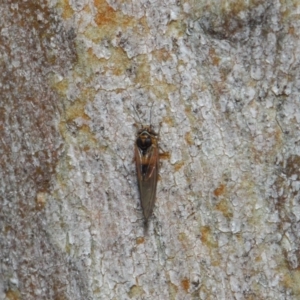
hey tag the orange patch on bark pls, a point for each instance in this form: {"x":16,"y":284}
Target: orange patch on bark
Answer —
{"x":220,"y":190}
{"x":140,"y":240}
{"x":185,"y":283}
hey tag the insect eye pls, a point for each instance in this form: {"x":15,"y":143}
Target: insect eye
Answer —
{"x":144,"y":143}
{"x":147,"y":142}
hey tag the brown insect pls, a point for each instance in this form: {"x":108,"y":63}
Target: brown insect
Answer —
{"x":146,"y":159}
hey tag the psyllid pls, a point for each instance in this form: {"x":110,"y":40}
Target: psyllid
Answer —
{"x":146,"y":160}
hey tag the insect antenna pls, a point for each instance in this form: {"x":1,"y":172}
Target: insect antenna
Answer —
{"x":136,"y":112}
{"x":151,"y":114}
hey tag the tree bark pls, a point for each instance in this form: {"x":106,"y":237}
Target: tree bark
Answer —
{"x":219,"y":80}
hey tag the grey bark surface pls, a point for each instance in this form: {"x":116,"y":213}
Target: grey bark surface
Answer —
{"x":221,"y":77}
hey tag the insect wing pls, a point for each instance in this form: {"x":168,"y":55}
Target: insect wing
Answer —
{"x":147,"y":172}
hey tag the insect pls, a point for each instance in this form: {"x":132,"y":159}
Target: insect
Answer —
{"x":146,"y":159}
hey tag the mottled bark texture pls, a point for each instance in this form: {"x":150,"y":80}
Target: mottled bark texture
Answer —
{"x":222,"y":78}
